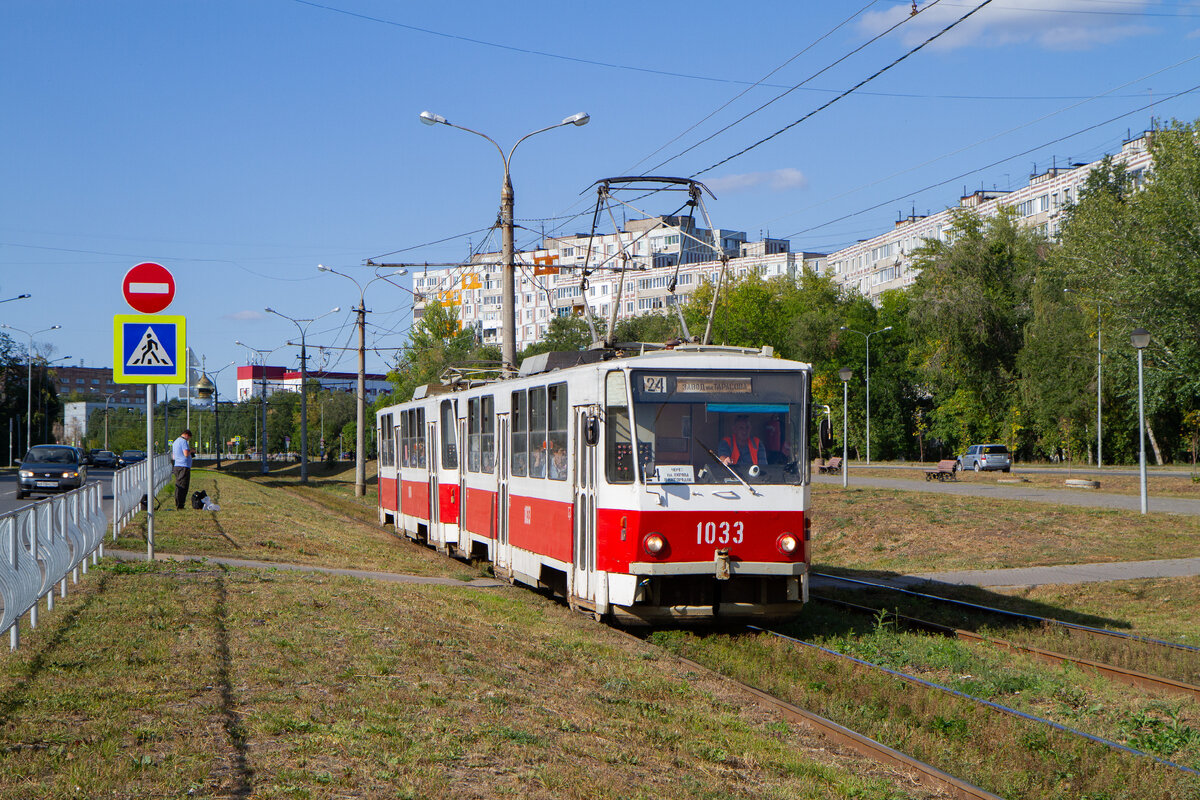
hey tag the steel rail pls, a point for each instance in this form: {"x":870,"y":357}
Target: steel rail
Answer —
{"x":980,"y":701}
{"x":925,"y":774}
{"x":1141,"y":680}
{"x":1044,"y":620}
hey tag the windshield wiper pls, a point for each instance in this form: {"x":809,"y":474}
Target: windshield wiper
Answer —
{"x":732,"y":471}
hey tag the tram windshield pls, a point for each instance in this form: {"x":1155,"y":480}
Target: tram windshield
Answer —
{"x":719,"y":428}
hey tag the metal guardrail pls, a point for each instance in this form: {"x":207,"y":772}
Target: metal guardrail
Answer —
{"x":45,"y":543}
{"x":129,"y":489}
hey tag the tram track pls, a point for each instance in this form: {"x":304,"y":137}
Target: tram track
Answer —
{"x":927,"y":775}
{"x":1047,"y":621}
{"x":1129,"y":677}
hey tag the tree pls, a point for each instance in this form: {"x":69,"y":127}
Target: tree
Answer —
{"x":435,"y":343}
{"x":968,"y":310}
{"x":569,"y":333}
{"x":1131,"y":245}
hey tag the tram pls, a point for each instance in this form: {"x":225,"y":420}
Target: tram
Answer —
{"x":647,"y":487}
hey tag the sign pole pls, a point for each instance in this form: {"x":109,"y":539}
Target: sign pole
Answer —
{"x":150,"y":472}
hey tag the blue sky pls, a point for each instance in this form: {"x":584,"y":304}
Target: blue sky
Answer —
{"x":242,"y":143}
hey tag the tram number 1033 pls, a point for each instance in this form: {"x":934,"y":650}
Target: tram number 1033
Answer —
{"x":719,"y":533}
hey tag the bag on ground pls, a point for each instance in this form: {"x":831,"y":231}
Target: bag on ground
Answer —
{"x":198,"y":499}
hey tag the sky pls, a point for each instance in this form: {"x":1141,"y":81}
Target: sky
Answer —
{"x":240,"y":143}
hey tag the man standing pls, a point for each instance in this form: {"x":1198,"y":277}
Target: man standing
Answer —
{"x":181,"y":457}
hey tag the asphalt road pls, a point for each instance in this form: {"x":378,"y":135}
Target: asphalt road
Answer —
{"x":8,"y":490}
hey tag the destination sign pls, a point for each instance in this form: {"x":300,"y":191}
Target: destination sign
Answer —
{"x":714,"y":385}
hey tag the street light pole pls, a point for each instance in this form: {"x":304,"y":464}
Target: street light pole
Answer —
{"x":845,"y":373}
{"x":867,"y":339}
{"x":262,"y":365}
{"x":29,"y":379}
{"x":360,"y":464}
{"x":1140,"y":339}
{"x":508,"y":313}
{"x":108,"y":397}
{"x":304,"y":382}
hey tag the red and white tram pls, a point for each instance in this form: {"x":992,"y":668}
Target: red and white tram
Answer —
{"x":603,"y":478}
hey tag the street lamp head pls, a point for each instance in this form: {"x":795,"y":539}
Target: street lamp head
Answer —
{"x":269,"y":310}
{"x":1140,"y":338}
{"x":430,"y":118}
{"x":322,"y":268}
{"x":54,"y":327}
{"x":845,"y":373}
{"x":335,"y":309}
{"x":843,"y":328}
{"x":888,"y":328}
{"x":400,"y":272}
{"x":582,"y":118}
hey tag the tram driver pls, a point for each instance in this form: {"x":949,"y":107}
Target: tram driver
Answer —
{"x":741,"y":449}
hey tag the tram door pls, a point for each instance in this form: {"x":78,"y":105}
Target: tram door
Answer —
{"x":397,"y":449}
{"x":584,"y":560}
{"x":436,"y":534}
{"x":503,"y":550}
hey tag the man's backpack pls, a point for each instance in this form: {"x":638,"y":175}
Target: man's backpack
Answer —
{"x":198,"y":499}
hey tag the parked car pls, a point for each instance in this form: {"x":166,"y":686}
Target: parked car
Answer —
{"x":106,"y":459}
{"x":132,"y":457}
{"x":980,"y":457}
{"x":49,"y":468}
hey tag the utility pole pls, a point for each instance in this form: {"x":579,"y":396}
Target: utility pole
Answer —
{"x":360,"y":464}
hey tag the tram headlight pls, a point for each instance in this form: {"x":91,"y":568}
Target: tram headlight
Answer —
{"x":654,"y":543}
{"x":787,"y":544}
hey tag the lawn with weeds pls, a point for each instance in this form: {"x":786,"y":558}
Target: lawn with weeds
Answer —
{"x":1009,"y":756}
{"x":899,"y":531}
{"x":271,"y":523}
{"x":170,"y":680}
{"x":1158,"y":484}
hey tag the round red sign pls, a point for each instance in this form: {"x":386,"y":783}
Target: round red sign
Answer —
{"x":149,"y":287}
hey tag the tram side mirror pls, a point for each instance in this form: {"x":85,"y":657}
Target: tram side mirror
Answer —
{"x":754,"y":471}
{"x":591,"y":431}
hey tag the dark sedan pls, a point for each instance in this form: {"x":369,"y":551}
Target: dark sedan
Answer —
{"x":49,"y":468}
{"x":132,"y":456}
{"x":106,"y":459}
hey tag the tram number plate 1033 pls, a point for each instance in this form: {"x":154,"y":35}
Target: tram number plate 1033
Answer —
{"x":719,"y":533}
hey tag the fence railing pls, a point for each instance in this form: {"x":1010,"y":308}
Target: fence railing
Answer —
{"x":46,"y":543}
{"x":129,"y":488}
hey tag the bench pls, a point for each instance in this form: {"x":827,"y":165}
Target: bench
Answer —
{"x":944,"y":471}
{"x":831,"y":467}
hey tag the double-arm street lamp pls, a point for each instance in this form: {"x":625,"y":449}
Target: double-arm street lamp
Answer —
{"x":360,"y":464}
{"x":304,"y":383}
{"x":108,"y":397}
{"x":29,"y":380}
{"x":867,"y":339}
{"x":508,"y":317}
{"x":205,"y":386}
{"x":262,"y":366}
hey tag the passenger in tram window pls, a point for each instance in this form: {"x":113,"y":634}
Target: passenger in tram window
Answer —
{"x":419,"y":455}
{"x":740,"y":449}
{"x":537,"y":461}
{"x":775,"y":440}
{"x":558,"y":463}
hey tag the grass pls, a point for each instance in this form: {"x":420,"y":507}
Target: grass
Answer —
{"x":955,"y":735}
{"x":176,"y":680}
{"x":283,"y":524}
{"x":1157,"y":484}
{"x":897,"y":531}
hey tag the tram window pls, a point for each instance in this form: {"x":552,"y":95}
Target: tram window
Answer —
{"x":556,"y":465}
{"x":405,"y":444}
{"x":537,"y":432}
{"x":473,"y":435}
{"x":618,"y":439}
{"x":487,"y":419}
{"x":520,"y":435}
{"x":449,"y":432}
{"x":419,"y":439}
{"x":386,"y":434}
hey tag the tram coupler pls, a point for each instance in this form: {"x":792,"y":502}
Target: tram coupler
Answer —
{"x":721,"y":564}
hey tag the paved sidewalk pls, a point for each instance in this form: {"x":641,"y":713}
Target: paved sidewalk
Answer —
{"x":1087,"y":498}
{"x":391,"y":577}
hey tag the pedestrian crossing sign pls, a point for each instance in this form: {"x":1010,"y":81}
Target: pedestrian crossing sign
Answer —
{"x":149,"y":348}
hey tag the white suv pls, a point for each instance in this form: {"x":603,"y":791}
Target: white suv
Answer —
{"x":981,"y":457}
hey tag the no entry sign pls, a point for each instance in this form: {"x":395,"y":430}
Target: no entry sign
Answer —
{"x":149,"y":288}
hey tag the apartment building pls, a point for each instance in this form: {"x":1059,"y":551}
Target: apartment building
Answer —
{"x":252,"y":379}
{"x":884,"y":262}
{"x":627,"y":272}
